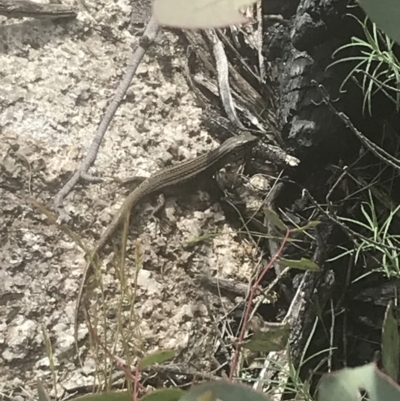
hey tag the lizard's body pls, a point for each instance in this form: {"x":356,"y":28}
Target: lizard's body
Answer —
{"x":167,"y":177}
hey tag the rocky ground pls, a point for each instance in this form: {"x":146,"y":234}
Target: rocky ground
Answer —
{"x":57,"y":79}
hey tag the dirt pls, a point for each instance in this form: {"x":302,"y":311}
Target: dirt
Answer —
{"x":57,"y":79}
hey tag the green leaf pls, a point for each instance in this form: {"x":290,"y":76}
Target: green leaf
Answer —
{"x":224,"y":391}
{"x":207,"y":396}
{"x":271,"y":337}
{"x":200,"y":14}
{"x":274,"y":219}
{"x":165,"y":394}
{"x":107,"y":396}
{"x":390,"y":344}
{"x":302,"y":264}
{"x":345,"y":385}
{"x":156,"y":357}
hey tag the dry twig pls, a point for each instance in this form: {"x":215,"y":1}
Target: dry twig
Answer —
{"x":82,"y":173}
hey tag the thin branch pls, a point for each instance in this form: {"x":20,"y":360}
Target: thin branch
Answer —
{"x":147,"y":39}
{"x":375,"y":149}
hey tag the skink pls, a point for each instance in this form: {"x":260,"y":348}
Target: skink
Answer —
{"x":230,"y":149}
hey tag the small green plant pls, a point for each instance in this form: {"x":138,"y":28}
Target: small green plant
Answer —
{"x":377,"y":68}
{"x":302,"y":387}
{"x":379,"y":242}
